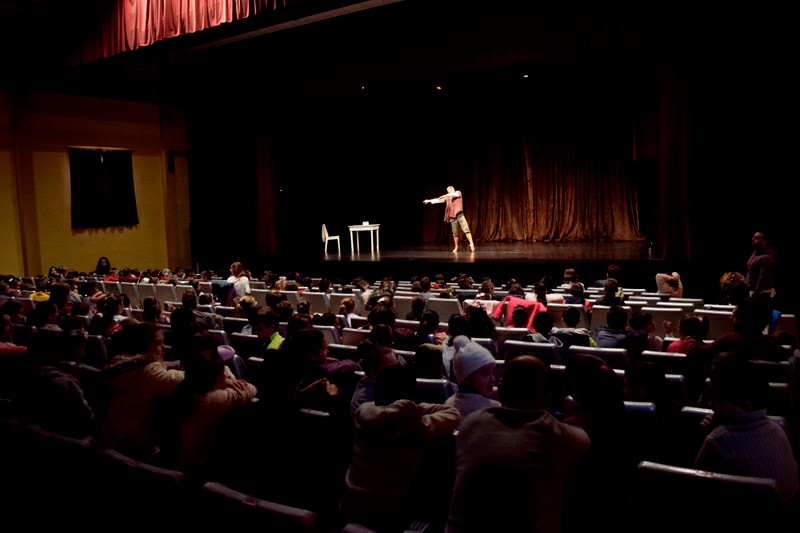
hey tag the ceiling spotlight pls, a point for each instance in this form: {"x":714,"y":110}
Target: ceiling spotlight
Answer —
{"x":438,"y":87}
{"x":524,"y":75}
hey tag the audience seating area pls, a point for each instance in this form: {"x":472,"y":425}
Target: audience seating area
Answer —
{"x":296,"y":490}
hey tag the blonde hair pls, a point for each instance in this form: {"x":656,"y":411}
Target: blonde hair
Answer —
{"x":347,"y":306}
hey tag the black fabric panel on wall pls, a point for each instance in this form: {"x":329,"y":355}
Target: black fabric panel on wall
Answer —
{"x":101,"y":186}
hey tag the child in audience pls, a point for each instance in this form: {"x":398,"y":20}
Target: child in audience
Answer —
{"x":474,"y":368}
{"x":391,"y":436}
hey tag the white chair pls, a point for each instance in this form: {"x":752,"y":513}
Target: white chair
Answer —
{"x":788,"y":322}
{"x":343,"y":351}
{"x":292,"y":296}
{"x":353,"y":336}
{"x":616,"y":358}
{"x":319,"y":304}
{"x":506,"y":333}
{"x":546,"y":351}
{"x":336,"y":300}
{"x":165,"y":292}
{"x":328,"y":237}
{"x":330,"y":332}
{"x":719,"y":322}
{"x":662,"y":313}
{"x":446,"y":307}
{"x":413,"y":325}
{"x":133,"y":293}
{"x":688,"y":307}
{"x":557,"y":310}
{"x":144,"y":290}
{"x":401,"y":305}
{"x":600,"y":316}
{"x":260,"y":296}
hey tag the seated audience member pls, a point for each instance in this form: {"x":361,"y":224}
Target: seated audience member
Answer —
{"x":326,"y":318}
{"x":209,"y":320}
{"x":670,"y":284}
{"x":486,"y":292}
{"x":612,"y":294}
{"x":52,"y":396}
{"x":274,"y":296}
{"x":284,"y":309}
{"x":613,"y":271}
{"x":60,"y":294}
{"x":331,"y":377}
{"x":196,"y":409}
{"x":514,"y":299}
{"x":418,"y":304}
{"x":303,"y":307}
{"x":381,"y":335}
{"x":247,"y":307}
{"x":571,"y":333}
{"x":750,"y":318}
{"x":428,"y":363}
{"x":374,"y":358}
{"x":296,"y":323}
{"x":614,"y":333}
{"x":7,"y":345}
{"x":519,"y":317}
{"x":456,"y":325}
{"x":427,"y":332}
{"x":13,"y":310}
{"x":577,"y":295}
{"x":348,"y":309}
{"x":543,"y":328}
{"x":391,"y":437}
{"x":153,"y":312}
{"x":474,"y":369}
{"x":733,"y":288}
{"x":570,"y":276}
{"x":44,"y":316}
{"x":543,"y":292}
{"x":106,"y":320}
{"x":135,"y":380}
{"x":744,"y":440}
{"x":404,"y":338}
{"x":692,"y":331}
{"x":646,"y":382}
{"x":642,"y":326}
{"x":519,"y":446}
{"x":601,"y":479}
{"x":481,"y":325}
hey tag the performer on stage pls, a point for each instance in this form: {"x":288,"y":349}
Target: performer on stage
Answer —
{"x":454,"y":214}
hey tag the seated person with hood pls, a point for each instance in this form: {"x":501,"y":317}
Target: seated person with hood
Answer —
{"x":474,"y":369}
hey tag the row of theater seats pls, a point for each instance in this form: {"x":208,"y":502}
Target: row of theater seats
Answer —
{"x":58,"y":480}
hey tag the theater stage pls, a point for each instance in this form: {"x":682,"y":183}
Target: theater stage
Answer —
{"x":525,"y":261}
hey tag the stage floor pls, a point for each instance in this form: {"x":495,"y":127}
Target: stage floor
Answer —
{"x":516,"y":252}
{"x":526,"y":262}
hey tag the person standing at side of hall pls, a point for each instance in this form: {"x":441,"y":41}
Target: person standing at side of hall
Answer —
{"x":760,"y":268}
{"x":454,"y":213}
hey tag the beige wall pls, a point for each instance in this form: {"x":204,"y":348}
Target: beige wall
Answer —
{"x":35,"y":207}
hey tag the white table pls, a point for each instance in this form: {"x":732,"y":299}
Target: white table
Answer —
{"x":375,"y":242}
